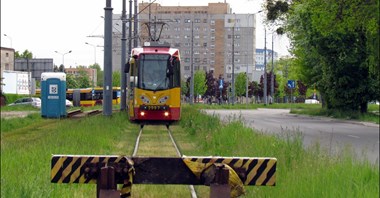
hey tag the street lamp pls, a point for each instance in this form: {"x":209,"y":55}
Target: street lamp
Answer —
{"x":63,"y":56}
{"x":94,"y":50}
{"x":10,"y":38}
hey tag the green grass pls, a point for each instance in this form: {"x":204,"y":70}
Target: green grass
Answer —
{"x":17,"y":123}
{"x":307,"y":109}
{"x":26,"y":153}
{"x":300,"y":173}
{"x":371,"y":116}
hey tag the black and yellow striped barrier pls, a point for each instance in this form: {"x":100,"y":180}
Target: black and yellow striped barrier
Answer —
{"x":167,"y":170}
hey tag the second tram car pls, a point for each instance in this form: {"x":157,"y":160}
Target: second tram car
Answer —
{"x":155,"y":83}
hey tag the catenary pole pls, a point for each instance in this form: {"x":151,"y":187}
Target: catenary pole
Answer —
{"x":107,"y":87}
{"x":123,"y":59}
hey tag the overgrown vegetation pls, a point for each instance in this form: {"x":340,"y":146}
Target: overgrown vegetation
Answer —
{"x":307,"y":173}
{"x":335,"y":45}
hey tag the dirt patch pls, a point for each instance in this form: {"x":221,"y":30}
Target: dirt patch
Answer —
{"x":16,"y":114}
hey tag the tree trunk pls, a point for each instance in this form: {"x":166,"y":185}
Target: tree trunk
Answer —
{"x":364,"y":107}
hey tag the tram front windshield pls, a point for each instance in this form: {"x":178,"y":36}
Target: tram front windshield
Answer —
{"x":153,"y":72}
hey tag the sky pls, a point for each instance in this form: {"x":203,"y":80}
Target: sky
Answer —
{"x":52,"y":28}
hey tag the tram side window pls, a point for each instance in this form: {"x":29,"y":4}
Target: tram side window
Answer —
{"x":86,"y":96}
{"x":176,"y":74}
{"x":69,"y":96}
{"x":98,"y":95}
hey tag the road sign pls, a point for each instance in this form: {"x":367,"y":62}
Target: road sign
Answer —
{"x":291,"y":84}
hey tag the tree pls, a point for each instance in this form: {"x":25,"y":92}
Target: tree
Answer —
{"x":26,"y":54}
{"x":211,"y":84}
{"x":240,"y":84}
{"x":200,"y":86}
{"x":116,"y":76}
{"x":61,"y":68}
{"x":82,"y":79}
{"x":336,"y":45}
{"x":71,"y":82}
{"x":184,"y":88}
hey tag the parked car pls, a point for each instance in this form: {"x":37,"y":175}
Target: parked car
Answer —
{"x":69,"y":103}
{"x":35,"y":102}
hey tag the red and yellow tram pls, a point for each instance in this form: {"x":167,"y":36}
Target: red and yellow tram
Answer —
{"x":155,"y":76}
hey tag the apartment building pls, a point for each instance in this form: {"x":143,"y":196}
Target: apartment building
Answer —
{"x":211,"y":30}
{"x":260,"y":58}
{"x":7,"y":60}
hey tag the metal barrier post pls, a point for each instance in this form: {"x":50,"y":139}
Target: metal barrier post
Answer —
{"x":106,"y":184}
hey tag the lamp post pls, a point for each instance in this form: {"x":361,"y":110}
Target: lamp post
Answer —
{"x":10,"y":38}
{"x":63,"y":56}
{"x":246,"y":82}
{"x":233,"y":61}
{"x":265,"y":67}
{"x":254,"y":57}
{"x":94,"y":50}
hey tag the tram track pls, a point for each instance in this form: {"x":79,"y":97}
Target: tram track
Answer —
{"x":177,"y":150}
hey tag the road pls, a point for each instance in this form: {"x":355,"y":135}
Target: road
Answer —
{"x":334,"y":135}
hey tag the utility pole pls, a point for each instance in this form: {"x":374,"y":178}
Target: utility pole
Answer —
{"x":246,"y":83}
{"x":129,"y":47}
{"x":123,"y":59}
{"x":135,"y":25}
{"x":192,"y":65}
{"x":272,"y":75}
{"x":107,"y":87}
{"x":265,"y":67}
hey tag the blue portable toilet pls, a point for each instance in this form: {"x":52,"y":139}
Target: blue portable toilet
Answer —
{"x":53,"y":95}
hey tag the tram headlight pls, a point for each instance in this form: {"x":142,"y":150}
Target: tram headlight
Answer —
{"x":142,"y":113}
{"x":163,"y":99}
{"x":145,"y":99}
{"x":166,"y":114}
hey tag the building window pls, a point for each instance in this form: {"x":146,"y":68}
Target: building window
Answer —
{"x":212,"y":22}
{"x":197,"y":20}
{"x":7,"y":54}
{"x":204,"y":20}
{"x":187,"y":67}
{"x":187,"y":60}
{"x":204,"y":44}
{"x":187,"y":21}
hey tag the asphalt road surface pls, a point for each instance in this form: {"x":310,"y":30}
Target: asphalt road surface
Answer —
{"x":334,"y":135}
